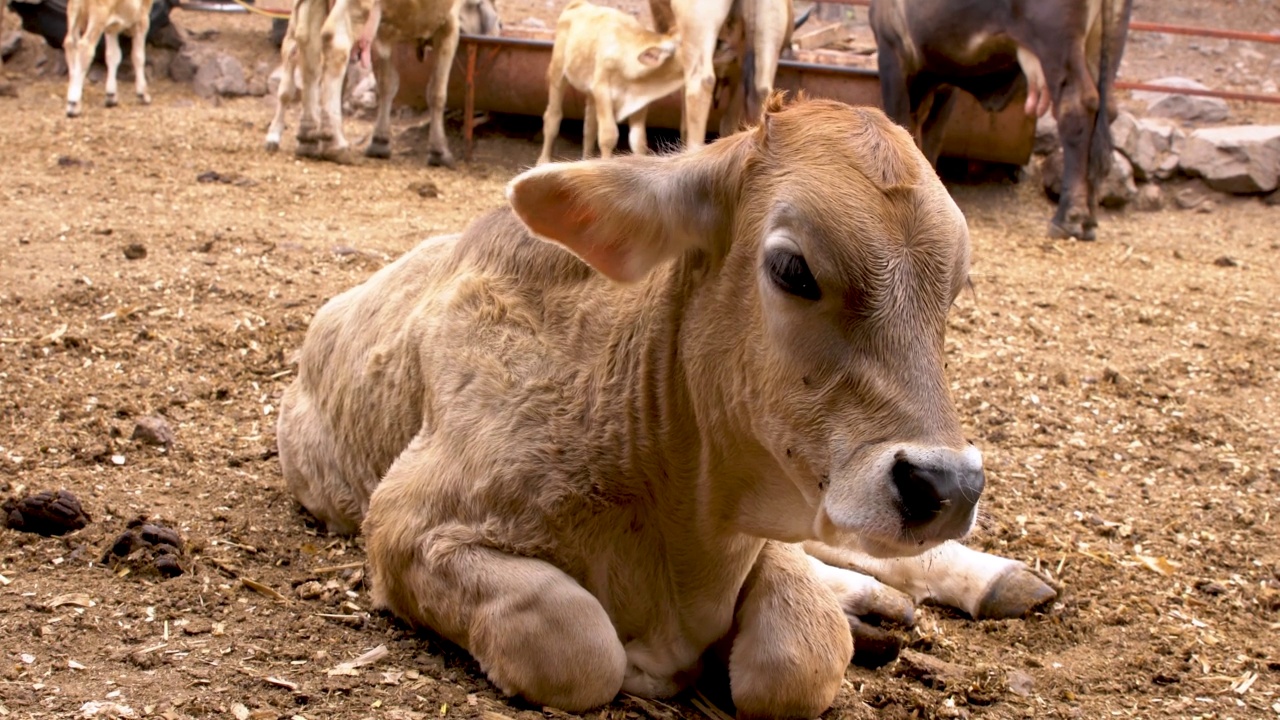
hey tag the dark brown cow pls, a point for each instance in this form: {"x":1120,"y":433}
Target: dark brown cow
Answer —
{"x":1063,"y":52}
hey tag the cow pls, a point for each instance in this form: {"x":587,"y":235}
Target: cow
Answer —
{"x":477,"y":17}
{"x":618,"y":64}
{"x":586,"y":437}
{"x":319,"y":41}
{"x":89,"y":20}
{"x":1063,"y":53}
{"x":757,"y":31}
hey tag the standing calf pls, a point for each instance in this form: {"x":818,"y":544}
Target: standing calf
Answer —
{"x":584,"y":436}
{"x":87,"y":21}
{"x":618,"y":64}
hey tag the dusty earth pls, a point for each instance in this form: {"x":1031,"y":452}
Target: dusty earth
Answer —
{"x":1125,"y":393}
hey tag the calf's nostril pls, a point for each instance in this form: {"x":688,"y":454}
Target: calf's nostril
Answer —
{"x":920,"y":491}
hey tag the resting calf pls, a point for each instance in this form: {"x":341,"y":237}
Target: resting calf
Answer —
{"x":588,"y":460}
{"x":87,"y":22}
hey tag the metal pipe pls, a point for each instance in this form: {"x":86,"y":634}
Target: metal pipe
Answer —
{"x":1204,"y":32}
{"x":1208,"y":92}
{"x":469,"y":103}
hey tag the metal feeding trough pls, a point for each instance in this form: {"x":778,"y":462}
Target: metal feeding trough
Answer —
{"x":508,"y":75}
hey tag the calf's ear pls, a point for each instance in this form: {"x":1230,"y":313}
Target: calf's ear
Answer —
{"x":655,"y":55}
{"x":626,"y":215}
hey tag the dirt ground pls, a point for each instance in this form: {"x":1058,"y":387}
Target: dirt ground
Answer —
{"x":1125,"y":394}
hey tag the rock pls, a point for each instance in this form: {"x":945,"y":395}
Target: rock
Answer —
{"x":135,"y":251}
{"x":1046,"y":135}
{"x":219,"y":74}
{"x":1118,"y":188}
{"x":1020,"y":683}
{"x":1188,"y":198}
{"x":258,"y":83}
{"x":425,"y":189}
{"x":1149,"y":144}
{"x":1191,"y":108}
{"x":1150,"y":198}
{"x":932,"y":672}
{"x":160,"y":61}
{"x":1226,"y":261}
{"x":152,"y":430}
{"x":1272,"y":200}
{"x":1236,"y":159}
{"x":9,"y":44}
{"x":46,"y":513}
{"x":184,"y":65}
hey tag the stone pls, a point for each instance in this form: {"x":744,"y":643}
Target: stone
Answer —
{"x":258,"y":83}
{"x":1190,"y":108}
{"x":160,"y":62}
{"x":184,"y":65}
{"x":219,"y":74}
{"x":10,"y":43}
{"x":1148,"y":143}
{"x":1239,"y":159}
{"x":1046,"y":135}
{"x":1118,"y":188}
{"x":1150,"y":198}
{"x":153,"y":430}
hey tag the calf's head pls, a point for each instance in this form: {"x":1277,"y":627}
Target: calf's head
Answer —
{"x":479,"y":17}
{"x":818,"y":257}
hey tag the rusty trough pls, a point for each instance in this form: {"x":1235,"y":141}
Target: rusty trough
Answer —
{"x":508,"y":75}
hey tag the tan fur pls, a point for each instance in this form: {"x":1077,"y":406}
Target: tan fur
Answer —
{"x":90,"y":20}
{"x":756,"y":30}
{"x":588,"y":484}
{"x":618,"y":64}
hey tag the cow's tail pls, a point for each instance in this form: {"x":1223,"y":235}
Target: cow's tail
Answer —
{"x":1115,"y":29}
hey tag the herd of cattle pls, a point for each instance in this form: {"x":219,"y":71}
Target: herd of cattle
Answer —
{"x":1061,"y":55}
{"x":718,"y":426}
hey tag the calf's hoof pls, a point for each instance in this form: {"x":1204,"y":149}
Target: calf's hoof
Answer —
{"x":309,"y":149}
{"x":273,"y":145}
{"x":73,"y":109}
{"x":1015,"y":594}
{"x":440,"y":158}
{"x":144,"y":98}
{"x":378,"y":149}
{"x":112,"y":100}
{"x":1061,"y":231}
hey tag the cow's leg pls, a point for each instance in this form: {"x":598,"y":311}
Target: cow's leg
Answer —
{"x":589,"y":128}
{"x":113,"y":65}
{"x":699,"y":23}
{"x":768,"y":32}
{"x":444,"y":43}
{"x":984,"y":586}
{"x":895,"y":92}
{"x":535,"y":631}
{"x":868,"y":604}
{"x":310,"y":18}
{"x":934,"y":127}
{"x":554,"y":113}
{"x":286,"y":93}
{"x":336,"y":43}
{"x":138,"y":55}
{"x":606,"y":123}
{"x":386,"y":85}
{"x":791,"y":644}
{"x":1077,"y":109}
{"x":637,"y":134}
{"x":314,"y":467}
{"x":79,"y":51}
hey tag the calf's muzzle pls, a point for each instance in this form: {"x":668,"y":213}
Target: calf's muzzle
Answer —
{"x":938,"y":491}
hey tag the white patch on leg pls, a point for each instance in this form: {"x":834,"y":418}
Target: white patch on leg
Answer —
{"x":862,"y":595}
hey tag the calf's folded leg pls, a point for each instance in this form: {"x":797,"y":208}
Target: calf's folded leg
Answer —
{"x":792,"y":641}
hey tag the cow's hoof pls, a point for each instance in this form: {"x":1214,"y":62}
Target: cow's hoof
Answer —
{"x":309,"y":149}
{"x":8,"y":89}
{"x":874,"y":647}
{"x":1015,"y":594}
{"x":379,"y":149}
{"x":73,"y":110}
{"x":273,"y":145}
{"x":144,"y":98}
{"x":341,"y":156}
{"x":440,"y":158}
{"x":1062,"y":231}
{"x":112,"y":100}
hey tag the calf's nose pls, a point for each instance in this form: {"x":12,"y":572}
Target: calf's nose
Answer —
{"x":937,"y":492}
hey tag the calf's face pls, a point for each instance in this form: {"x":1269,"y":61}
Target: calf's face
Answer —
{"x":820,"y":257}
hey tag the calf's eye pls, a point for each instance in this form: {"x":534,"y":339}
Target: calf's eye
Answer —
{"x":788,"y":270}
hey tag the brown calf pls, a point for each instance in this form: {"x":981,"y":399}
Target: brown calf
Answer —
{"x":619,"y":65}
{"x":1064,"y":53}
{"x":588,"y":468}
{"x":87,"y":22}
